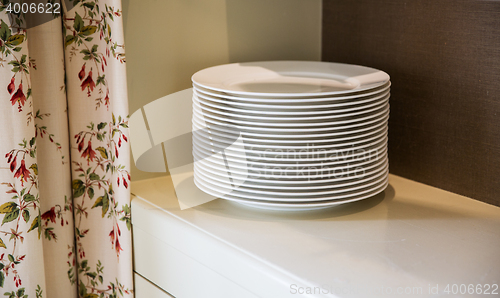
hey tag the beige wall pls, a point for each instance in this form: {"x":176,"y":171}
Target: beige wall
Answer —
{"x":169,"y":40}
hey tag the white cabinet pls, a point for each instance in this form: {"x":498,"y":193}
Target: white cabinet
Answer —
{"x":413,"y":238}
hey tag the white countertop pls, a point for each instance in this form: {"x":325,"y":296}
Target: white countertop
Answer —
{"x":409,"y":238}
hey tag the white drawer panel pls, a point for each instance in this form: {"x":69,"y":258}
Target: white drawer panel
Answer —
{"x":179,"y":274}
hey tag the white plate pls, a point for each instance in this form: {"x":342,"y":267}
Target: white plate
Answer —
{"x":245,"y":188}
{"x":307,"y":99}
{"x":304,"y":184}
{"x":297,"y":207}
{"x":289,"y":110}
{"x":295,"y":193}
{"x":208,"y":138}
{"x":290,"y":206}
{"x":334,"y":119}
{"x":356,"y":158}
{"x":297,"y":143}
{"x":243,"y":170}
{"x":331,"y":156}
{"x":293,"y":164}
{"x":249,"y":196}
{"x":287,"y":198}
{"x":289,"y":78}
{"x":223,"y":177}
{"x":318,"y":175}
{"x":336,"y":125}
{"x":218,"y":162}
{"x":341,"y":147}
{"x":257,"y":176}
{"x":334,"y":155}
{"x":377,"y":147}
{"x":292,"y":138}
{"x":334,"y":114}
{"x":306,"y":146}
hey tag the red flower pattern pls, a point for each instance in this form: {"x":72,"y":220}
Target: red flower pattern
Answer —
{"x":88,"y":83}
{"x":115,"y":240}
{"x":50,"y":215}
{"x":89,"y":153}
{"x":11,"y":86}
{"x":13,"y":165}
{"x":106,"y":99}
{"x":22,"y":173}
{"x":19,"y":97}
{"x":81,"y":74}
{"x":80,"y":145}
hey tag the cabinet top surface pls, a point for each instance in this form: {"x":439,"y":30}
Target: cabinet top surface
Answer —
{"x":412,"y":235}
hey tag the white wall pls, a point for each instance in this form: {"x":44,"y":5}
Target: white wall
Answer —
{"x":169,"y":40}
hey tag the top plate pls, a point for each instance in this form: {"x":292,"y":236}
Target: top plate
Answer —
{"x":276,"y":79}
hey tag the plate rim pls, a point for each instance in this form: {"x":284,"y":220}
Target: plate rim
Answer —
{"x":382,"y":182}
{"x":248,"y":142}
{"x":267,"y":64}
{"x":343,"y":125}
{"x":333,"y":115}
{"x":374,"y":174}
{"x":383,"y":121}
{"x":374,"y":181}
{"x":218,"y":105}
{"x":206,"y":92}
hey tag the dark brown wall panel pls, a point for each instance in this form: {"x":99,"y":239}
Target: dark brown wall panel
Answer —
{"x":444,"y":62}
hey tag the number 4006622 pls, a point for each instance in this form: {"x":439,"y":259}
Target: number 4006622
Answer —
{"x":478,"y":289}
{"x":34,"y":8}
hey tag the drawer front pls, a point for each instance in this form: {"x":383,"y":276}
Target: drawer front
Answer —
{"x":177,"y":273}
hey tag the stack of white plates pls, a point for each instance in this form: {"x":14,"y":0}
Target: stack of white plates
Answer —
{"x":291,"y":135}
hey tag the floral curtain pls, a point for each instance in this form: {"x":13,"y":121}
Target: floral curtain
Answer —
{"x":64,"y":155}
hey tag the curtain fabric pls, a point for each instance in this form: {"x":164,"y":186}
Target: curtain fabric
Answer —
{"x":64,"y":155}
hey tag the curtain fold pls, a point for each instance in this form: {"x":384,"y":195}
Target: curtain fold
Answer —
{"x":54,"y":174}
{"x":64,"y":162}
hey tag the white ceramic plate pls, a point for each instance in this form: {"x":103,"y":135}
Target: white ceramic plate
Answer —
{"x":334,"y":119}
{"x":289,"y":110}
{"x":289,"y":119}
{"x":281,"y":173}
{"x":290,"y":206}
{"x":297,"y":207}
{"x":292,"y":137}
{"x":306,"y":99}
{"x":294,"y":193}
{"x":351,"y":158}
{"x":245,"y":166}
{"x":289,"y":78}
{"x":375,"y":148}
{"x":274,"y":198}
{"x":341,"y":147}
{"x":210,"y":139}
{"x":255,"y":126}
{"x":293,"y":167}
{"x":296,"y":144}
{"x":271,"y":175}
{"x":336,"y":157}
{"x":222,"y":177}
{"x":266,"y":176}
